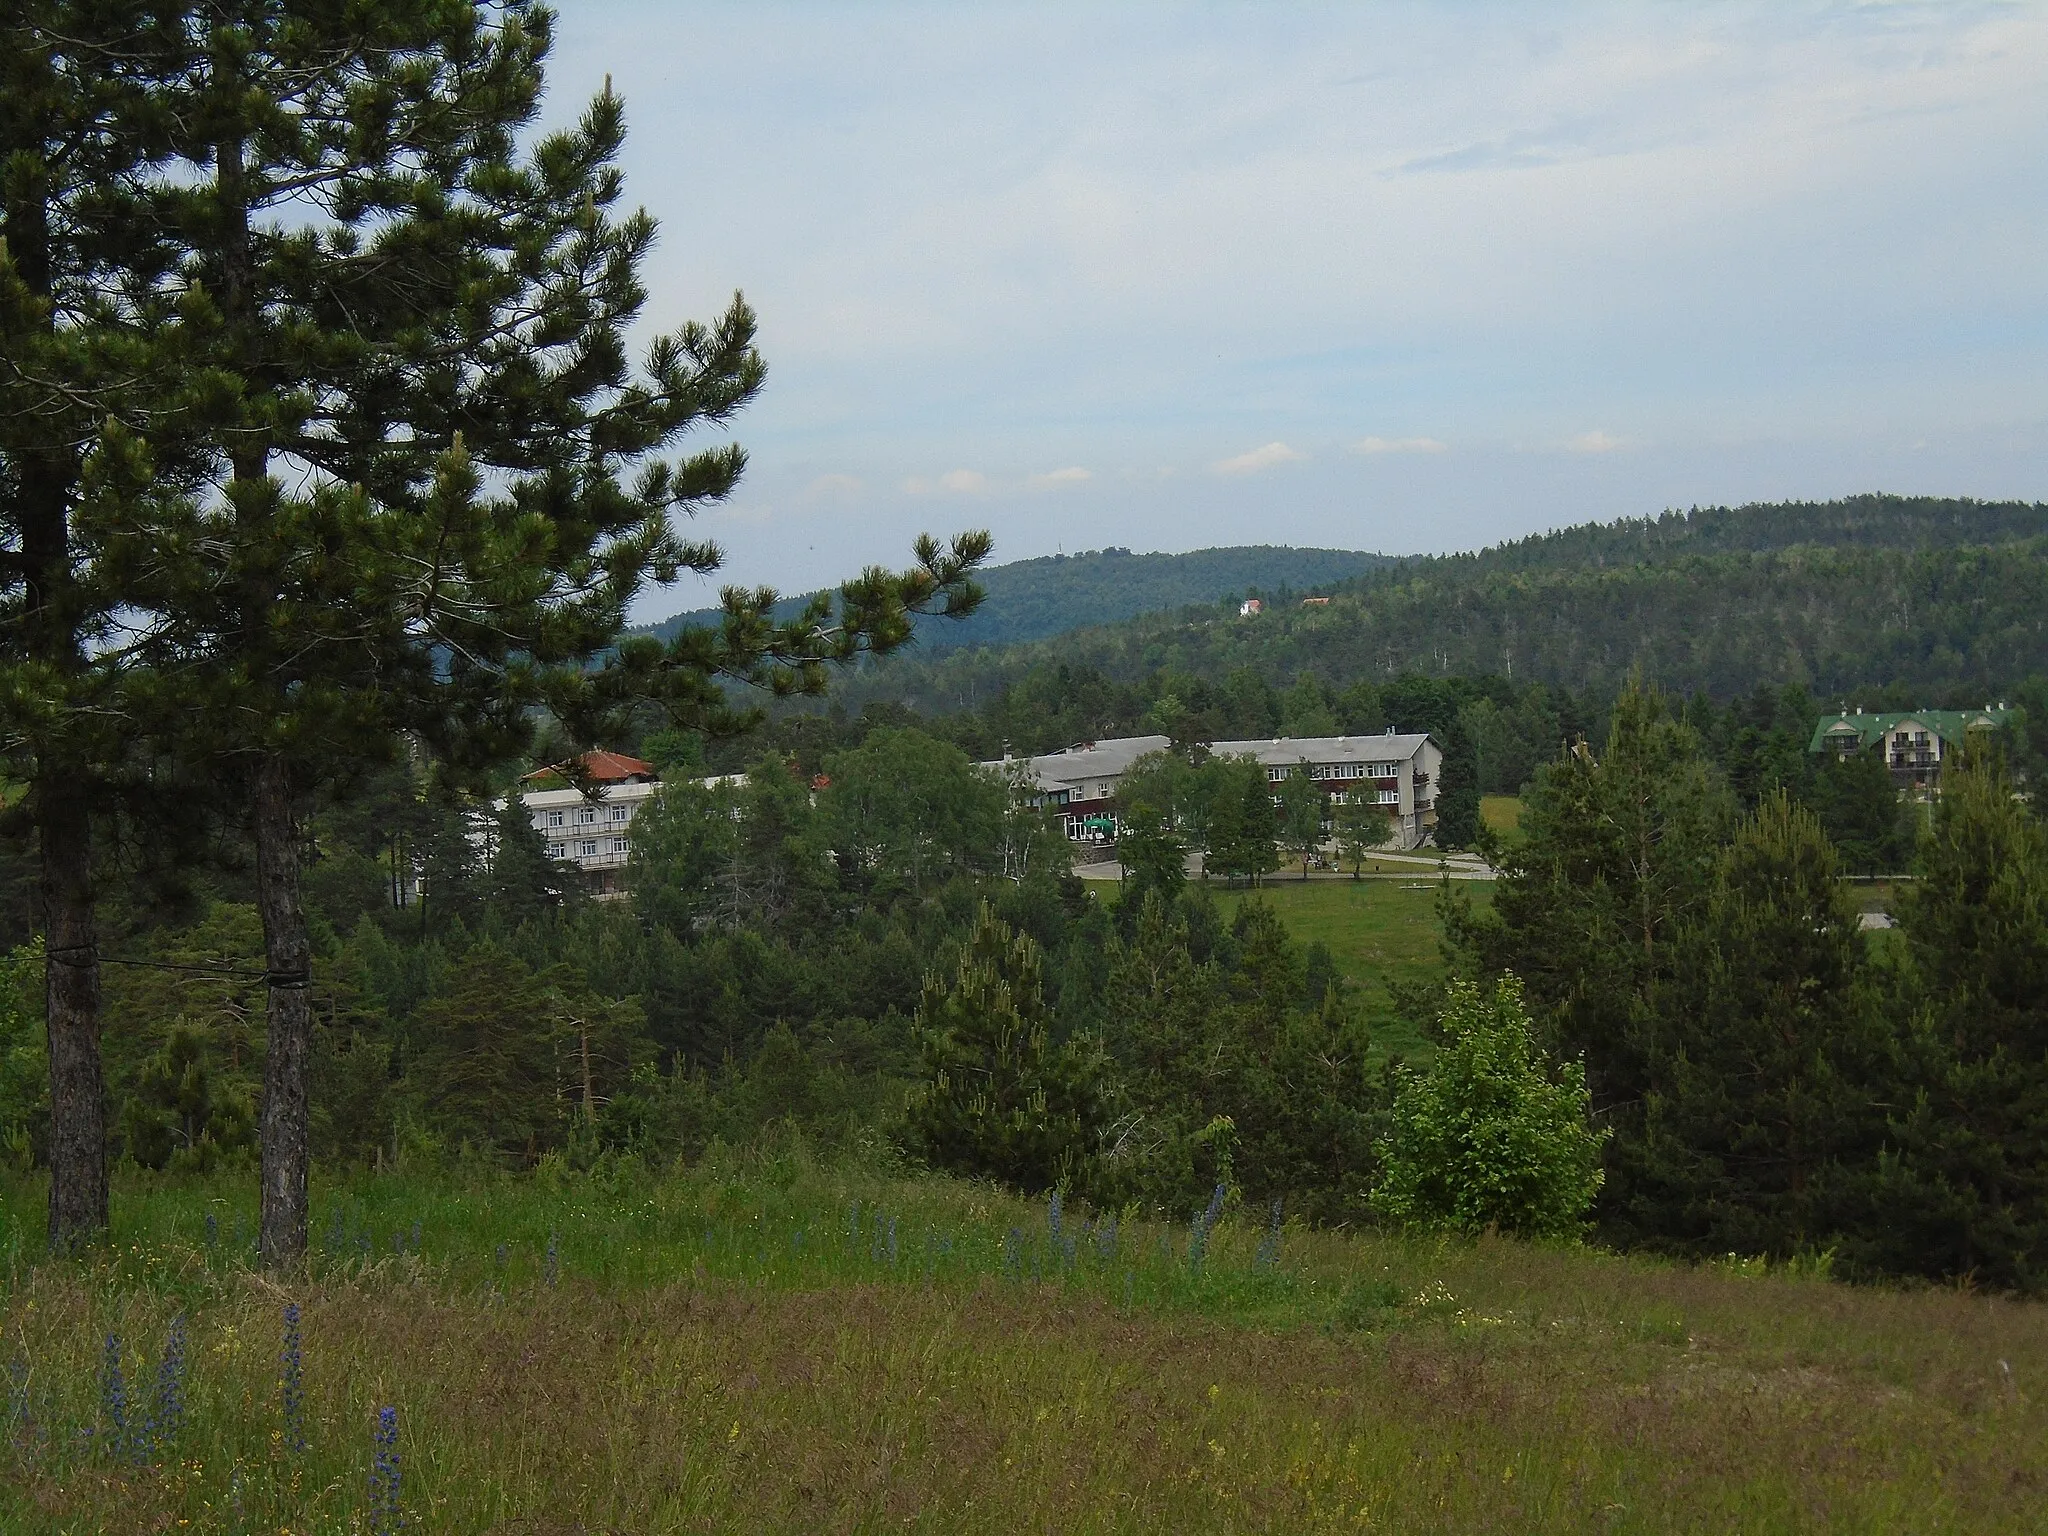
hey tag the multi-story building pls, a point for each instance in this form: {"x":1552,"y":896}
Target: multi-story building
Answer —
{"x":1912,"y":745}
{"x":591,"y":829}
{"x":1399,"y":772}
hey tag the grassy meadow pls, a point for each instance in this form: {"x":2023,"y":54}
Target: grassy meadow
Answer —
{"x":762,"y":1343}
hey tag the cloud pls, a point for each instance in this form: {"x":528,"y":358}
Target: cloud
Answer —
{"x":1073,"y":475}
{"x":1258,"y":459}
{"x":1398,"y":445}
{"x":833,"y":485}
{"x":959,"y":482}
{"x":1595,"y":441}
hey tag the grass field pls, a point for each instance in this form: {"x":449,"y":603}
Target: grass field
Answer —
{"x":1503,"y":813}
{"x":762,"y":1344}
{"x":1378,"y":932}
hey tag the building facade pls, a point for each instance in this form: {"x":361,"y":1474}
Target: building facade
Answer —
{"x":1912,"y":745}
{"x":1398,"y":772}
{"x":591,"y":830}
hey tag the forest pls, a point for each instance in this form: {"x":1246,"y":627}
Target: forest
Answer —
{"x":1052,"y":594}
{"x":1894,"y":596}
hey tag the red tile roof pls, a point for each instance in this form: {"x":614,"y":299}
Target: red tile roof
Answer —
{"x":601,"y":767}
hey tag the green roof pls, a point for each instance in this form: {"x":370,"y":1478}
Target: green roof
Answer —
{"x":1951,"y":725}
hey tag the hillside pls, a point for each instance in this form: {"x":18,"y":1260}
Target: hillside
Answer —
{"x":763,"y":1344}
{"x":1940,"y":595}
{"x":1036,"y":599}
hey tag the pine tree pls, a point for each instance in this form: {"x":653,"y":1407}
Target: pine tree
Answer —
{"x":444,"y":481}
{"x":1967,"y":1190}
{"x":1769,"y":1053}
{"x":84,"y":366}
{"x":997,"y":1097}
{"x":1457,"y":790}
{"x":1615,"y":860}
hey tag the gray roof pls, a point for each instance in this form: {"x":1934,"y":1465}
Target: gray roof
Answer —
{"x":1286,"y":751}
{"x":1112,"y":759}
{"x":1094,"y":760}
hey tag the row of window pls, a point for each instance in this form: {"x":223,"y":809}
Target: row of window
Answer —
{"x":587,"y":815}
{"x":589,"y":848}
{"x":1339,"y":771}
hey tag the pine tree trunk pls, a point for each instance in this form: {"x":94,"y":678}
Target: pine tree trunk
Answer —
{"x":47,"y":486}
{"x":287,"y":951}
{"x":78,"y":1118}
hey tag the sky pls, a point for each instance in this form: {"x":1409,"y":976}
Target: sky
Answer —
{"x":1392,"y":277}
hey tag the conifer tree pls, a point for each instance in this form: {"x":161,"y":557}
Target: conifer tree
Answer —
{"x":997,"y":1097}
{"x":1967,"y":1189}
{"x":1615,"y":860}
{"x":83,"y":366}
{"x":443,"y":479}
{"x":1457,"y":790}
{"x":1768,"y":1044}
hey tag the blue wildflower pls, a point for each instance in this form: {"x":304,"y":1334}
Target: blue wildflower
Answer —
{"x":385,"y":1518}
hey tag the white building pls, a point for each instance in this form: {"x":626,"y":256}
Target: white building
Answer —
{"x":592,"y":830}
{"x":1398,"y":772}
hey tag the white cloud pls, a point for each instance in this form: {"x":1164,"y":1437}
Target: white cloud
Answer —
{"x":1595,"y":441}
{"x":1072,"y":475}
{"x":1398,"y":445}
{"x":1258,"y":459}
{"x":959,"y":482}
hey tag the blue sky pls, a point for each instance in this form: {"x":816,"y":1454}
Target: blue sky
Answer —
{"x":1403,"y":278}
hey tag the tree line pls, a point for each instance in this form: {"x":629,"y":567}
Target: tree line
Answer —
{"x":1775,"y":1079}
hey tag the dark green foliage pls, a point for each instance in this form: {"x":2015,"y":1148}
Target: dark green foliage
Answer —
{"x":180,"y":1114}
{"x":1615,"y":859}
{"x":1457,"y":796}
{"x":1918,"y":595}
{"x":1035,"y":599}
{"x":996,"y":1096}
{"x":1760,"y":1117}
{"x":1241,"y":823}
{"x":1863,"y":814}
{"x":1967,"y":1191}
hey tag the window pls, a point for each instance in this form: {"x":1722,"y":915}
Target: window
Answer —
{"x":586,"y":814}
{"x":555,"y":818}
{"x":558,"y":850}
{"x":590,"y":850}
{"x":622,"y":845}
{"x":1390,"y":797}
{"x":620,"y":813}
{"x":1275,"y":775}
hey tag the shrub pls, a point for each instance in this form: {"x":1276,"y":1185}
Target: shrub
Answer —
{"x":1491,"y":1134}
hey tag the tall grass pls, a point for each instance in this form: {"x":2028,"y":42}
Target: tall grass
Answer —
{"x":762,"y":1343}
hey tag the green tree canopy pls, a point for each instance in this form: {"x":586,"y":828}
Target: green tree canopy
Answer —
{"x":1489,"y":1134}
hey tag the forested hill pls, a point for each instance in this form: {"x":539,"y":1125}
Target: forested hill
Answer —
{"x":1940,"y":595}
{"x":1036,"y":599}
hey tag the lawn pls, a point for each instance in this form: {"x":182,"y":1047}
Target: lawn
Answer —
{"x":1378,"y":931}
{"x":1502,"y":813}
{"x":764,"y":1344}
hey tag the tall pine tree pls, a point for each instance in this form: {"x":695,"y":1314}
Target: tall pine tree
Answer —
{"x":1761,"y":1118}
{"x":443,"y":479}
{"x":1967,"y":1189}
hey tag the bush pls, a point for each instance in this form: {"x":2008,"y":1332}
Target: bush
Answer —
{"x":1491,"y":1135}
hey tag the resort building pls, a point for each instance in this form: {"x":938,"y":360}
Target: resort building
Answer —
{"x":1912,"y":745}
{"x":1399,"y":772}
{"x":591,"y":829}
